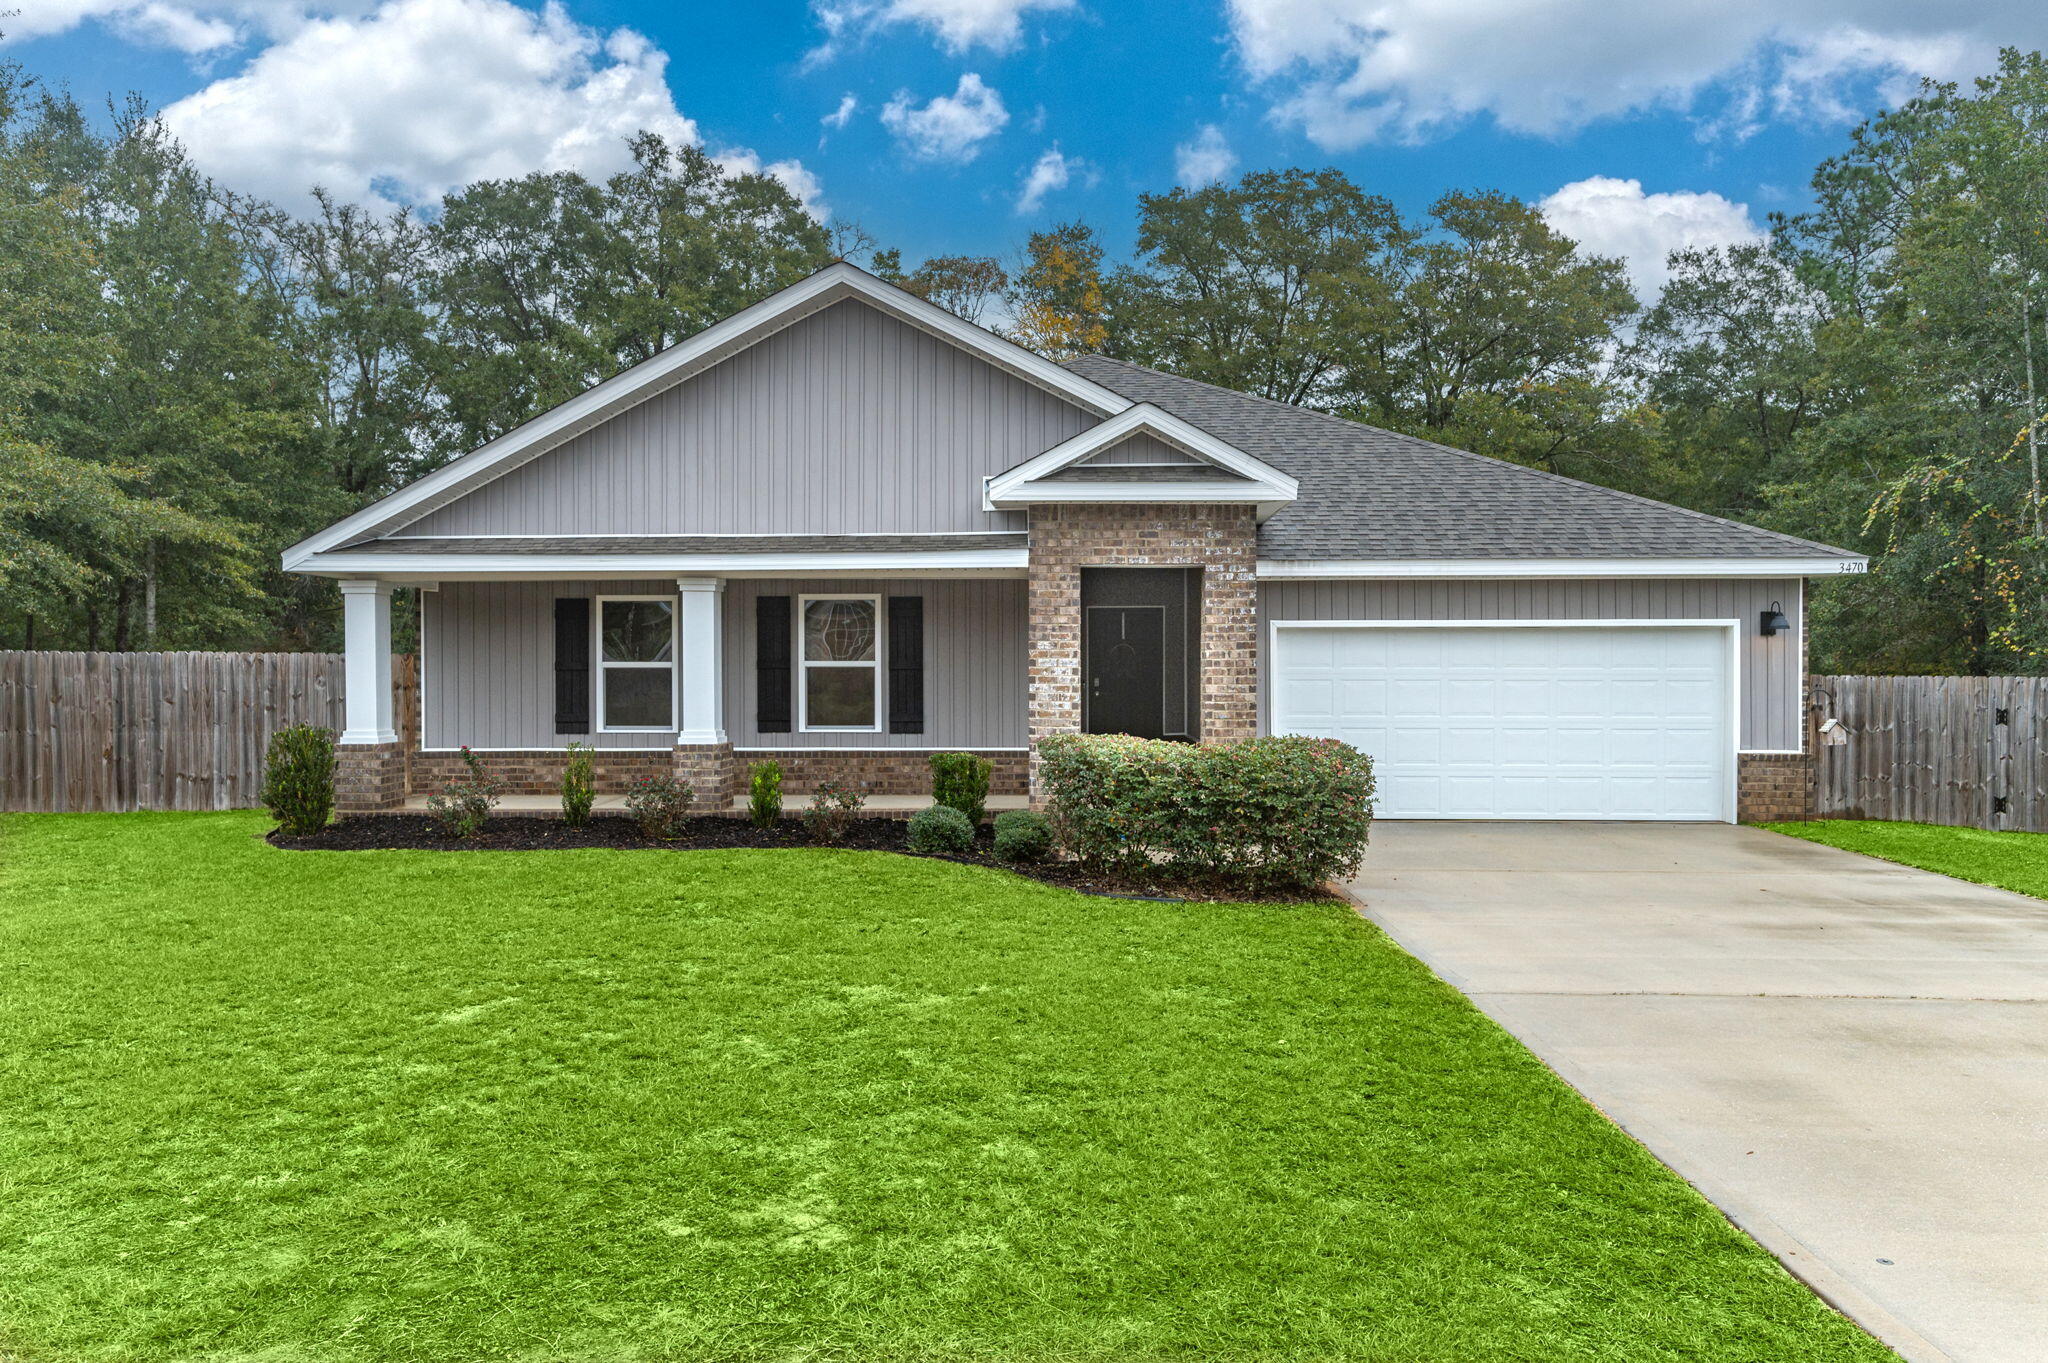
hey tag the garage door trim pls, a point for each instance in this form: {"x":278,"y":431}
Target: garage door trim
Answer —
{"x":1733,"y":662}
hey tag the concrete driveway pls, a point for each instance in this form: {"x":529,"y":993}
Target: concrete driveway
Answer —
{"x":1849,"y":1057}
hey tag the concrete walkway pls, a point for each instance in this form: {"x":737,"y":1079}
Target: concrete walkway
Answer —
{"x":1849,"y":1057}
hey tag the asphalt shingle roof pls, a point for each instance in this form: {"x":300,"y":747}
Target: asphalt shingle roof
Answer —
{"x":1373,"y":494}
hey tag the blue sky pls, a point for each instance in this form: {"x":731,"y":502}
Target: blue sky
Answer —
{"x":959,"y":125}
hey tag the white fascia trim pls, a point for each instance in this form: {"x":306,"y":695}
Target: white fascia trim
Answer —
{"x":657,"y":565}
{"x":1264,"y":494}
{"x":1143,"y":418}
{"x":619,"y":391}
{"x":1560,"y":567}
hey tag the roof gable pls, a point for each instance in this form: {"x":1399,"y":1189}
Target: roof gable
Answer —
{"x":1071,"y":472}
{"x":606,"y":401}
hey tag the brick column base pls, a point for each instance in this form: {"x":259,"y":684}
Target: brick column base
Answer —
{"x":1774,"y":787}
{"x":368,"y":777}
{"x":710,"y":773}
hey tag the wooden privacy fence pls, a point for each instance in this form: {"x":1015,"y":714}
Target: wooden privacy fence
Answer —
{"x":116,"y":731}
{"x":1965,"y":751}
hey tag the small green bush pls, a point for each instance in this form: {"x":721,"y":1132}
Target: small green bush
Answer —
{"x":960,"y":780}
{"x":659,"y":804}
{"x":579,"y":788}
{"x":833,"y":805}
{"x":298,"y":779}
{"x":465,"y":806}
{"x":1022,"y":835}
{"x":942,"y":829}
{"x":1265,"y":814}
{"x":764,"y":793}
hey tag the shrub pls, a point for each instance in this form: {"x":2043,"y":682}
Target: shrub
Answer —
{"x":960,"y":780}
{"x":764,"y":797}
{"x":833,"y":805}
{"x":1022,"y":835}
{"x":1265,"y":814}
{"x":298,"y":779}
{"x":465,"y":806}
{"x":659,"y":805}
{"x":941,"y":828}
{"x":579,"y":791}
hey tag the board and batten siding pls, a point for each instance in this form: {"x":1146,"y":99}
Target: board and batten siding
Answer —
{"x":847,"y":422}
{"x":1142,"y":449}
{"x":487,"y":654}
{"x":1772,"y":679}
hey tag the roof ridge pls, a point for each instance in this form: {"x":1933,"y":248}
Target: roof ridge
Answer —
{"x":1634,"y":497}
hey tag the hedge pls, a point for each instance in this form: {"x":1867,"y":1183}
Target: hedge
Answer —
{"x":1267,"y":813}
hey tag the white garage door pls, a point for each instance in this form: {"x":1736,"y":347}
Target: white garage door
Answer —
{"x":1492,"y":722}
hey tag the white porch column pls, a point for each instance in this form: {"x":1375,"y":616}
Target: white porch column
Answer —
{"x":700,"y":637}
{"x":366,"y":634}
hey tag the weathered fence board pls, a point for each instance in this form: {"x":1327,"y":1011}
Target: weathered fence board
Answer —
{"x":1965,"y":751}
{"x":113,"y":731}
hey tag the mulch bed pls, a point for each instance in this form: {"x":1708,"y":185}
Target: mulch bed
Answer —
{"x":517,"y":833}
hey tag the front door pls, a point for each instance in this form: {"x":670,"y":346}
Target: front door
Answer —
{"x":1126,"y":670}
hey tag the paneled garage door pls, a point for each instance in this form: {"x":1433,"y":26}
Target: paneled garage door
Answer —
{"x":1502,"y":722}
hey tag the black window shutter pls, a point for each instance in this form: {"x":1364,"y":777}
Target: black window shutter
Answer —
{"x":906,"y":664}
{"x":572,"y":664}
{"x":771,"y":664}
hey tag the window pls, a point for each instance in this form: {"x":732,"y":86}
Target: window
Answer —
{"x":636,"y":662}
{"x":839,"y":643}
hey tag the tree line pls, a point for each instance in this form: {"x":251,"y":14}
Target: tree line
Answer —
{"x":191,"y":380}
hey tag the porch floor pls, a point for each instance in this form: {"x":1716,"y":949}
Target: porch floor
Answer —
{"x":793,"y":802}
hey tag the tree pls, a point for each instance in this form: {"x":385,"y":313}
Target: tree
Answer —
{"x":965,"y":286}
{"x":1057,"y":303}
{"x":1265,"y":285}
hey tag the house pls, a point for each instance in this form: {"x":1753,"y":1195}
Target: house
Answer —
{"x":844,"y":528}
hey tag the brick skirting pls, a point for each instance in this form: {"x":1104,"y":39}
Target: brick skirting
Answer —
{"x":1774,"y":787}
{"x":539,"y":771}
{"x":879,"y":771}
{"x":368,"y":777}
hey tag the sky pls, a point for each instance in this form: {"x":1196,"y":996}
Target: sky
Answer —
{"x":959,"y":126}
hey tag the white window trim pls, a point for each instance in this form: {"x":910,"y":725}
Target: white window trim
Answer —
{"x":674,"y":657}
{"x":804,"y":665}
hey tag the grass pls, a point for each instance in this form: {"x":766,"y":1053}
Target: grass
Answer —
{"x":2011,"y":861}
{"x":607,"y":1107}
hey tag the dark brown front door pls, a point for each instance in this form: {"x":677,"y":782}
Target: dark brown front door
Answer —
{"x":1126,"y":670}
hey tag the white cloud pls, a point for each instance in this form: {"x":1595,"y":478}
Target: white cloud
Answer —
{"x":957,"y":25}
{"x":190,"y":26}
{"x":1610,"y":217}
{"x":1204,"y":159}
{"x":422,"y":96}
{"x":840,"y":116}
{"x":1351,"y":71}
{"x":949,"y":127}
{"x":1049,"y":173}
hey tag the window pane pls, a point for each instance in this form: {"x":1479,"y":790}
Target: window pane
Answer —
{"x":839,"y":697}
{"x":839,"y":632}
{"x":637,"y":632}
{"x":637,"y":697}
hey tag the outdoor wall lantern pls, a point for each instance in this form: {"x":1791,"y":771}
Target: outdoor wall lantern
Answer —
{"x":1773,"y":622}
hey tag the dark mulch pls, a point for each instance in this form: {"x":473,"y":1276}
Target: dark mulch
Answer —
{"x":518,"y":833}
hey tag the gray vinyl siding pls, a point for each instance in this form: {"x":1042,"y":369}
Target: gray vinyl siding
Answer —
{"x":848,"y":422}
{"x":974,"y":657}
{"x":1772,"y":669}
{"x":1141,"y":449}
{"x":488,"y":657}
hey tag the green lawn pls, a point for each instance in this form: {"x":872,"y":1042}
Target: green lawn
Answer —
{"x":2011,"y":861}
{"x":600,"y":1107}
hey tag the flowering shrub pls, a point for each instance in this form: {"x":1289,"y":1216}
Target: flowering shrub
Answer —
{"x":833,"y":805}
{"x":1267,"y":814}
{"x":658,"y":804}
{"x":465,"y":806}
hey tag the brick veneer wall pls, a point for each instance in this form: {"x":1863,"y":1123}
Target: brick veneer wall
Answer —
{"x":1774,"y":787}
{"x":709,"y":771}
{"x":539,"y":771}
{"x":881,"y":771}
{"x":1220,"y":540}
{"x":368,"y":777}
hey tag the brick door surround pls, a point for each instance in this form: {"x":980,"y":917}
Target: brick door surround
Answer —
{"x":1221,"y":540}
